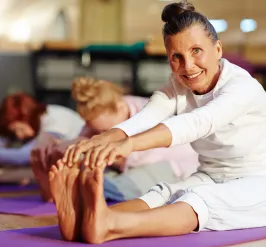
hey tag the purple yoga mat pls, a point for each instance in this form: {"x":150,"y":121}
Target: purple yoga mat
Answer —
{"x":50,"y":236}
{"x":29,"y":205}
{"x":16,"y":187}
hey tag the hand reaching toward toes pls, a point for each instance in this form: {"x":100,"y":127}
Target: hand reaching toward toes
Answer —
{"x":103,"y":155}
{"x":75,"y":152}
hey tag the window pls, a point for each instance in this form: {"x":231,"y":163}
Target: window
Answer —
{"x":248,"y":25}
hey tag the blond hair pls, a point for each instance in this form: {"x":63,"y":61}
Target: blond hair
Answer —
{"x":95,"y":96}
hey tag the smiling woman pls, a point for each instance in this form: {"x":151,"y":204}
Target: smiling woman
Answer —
{"x":195,"y":63}
{"x":194,"y":58}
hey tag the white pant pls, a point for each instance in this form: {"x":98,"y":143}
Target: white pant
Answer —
{"x":220,"y":205}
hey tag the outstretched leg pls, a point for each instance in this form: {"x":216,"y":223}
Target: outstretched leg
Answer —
{"x":101,"y":223}
{"x":41,"y":176}
{"x":64,"y":187}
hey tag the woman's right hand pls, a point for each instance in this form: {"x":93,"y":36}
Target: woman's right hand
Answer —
{"x":74,"y":152}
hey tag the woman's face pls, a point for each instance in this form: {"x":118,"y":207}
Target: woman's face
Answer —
{"x":194,"y":58}
{"x":21,"y":130}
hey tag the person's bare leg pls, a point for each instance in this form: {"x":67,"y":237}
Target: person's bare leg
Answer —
{"x":64,"y":187}
{"x":135,"y":205}
{"x":41,"y":177}
{"x":101,"y":223}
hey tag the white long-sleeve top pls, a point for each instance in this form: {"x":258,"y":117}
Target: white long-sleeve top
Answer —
{"x":226,"y":127}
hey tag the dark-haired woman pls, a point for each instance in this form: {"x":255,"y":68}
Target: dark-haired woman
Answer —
{"x":209,"y":102}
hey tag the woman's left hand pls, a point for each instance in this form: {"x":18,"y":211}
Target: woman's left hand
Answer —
{"x":108,"y":154}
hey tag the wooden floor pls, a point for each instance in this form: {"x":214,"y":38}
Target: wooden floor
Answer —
{"x":10,"y":221}
{"x":15,"y":221}
{"x":253,"y":244}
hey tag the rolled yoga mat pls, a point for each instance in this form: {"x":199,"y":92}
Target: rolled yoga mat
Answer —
{"x":50,"y":236}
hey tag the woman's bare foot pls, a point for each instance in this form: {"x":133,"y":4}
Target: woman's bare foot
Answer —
{"x":96,"y":215}
{"x":64,"y":187}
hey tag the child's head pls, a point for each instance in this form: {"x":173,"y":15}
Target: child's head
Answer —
{"x":100,"y":103}
{"x":20,"y":116}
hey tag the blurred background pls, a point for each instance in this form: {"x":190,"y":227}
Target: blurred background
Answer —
{"x":45,"y":44}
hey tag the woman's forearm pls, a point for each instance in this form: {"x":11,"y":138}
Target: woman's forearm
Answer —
{"x":114,"y":135}
{"x":156,"y":137}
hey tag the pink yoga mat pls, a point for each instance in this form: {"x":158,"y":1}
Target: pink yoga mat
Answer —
{"x":50,"y":236}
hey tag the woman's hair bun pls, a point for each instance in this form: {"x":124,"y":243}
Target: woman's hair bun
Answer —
{"x":173,"y":9}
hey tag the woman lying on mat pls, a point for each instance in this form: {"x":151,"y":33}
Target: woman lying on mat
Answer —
{"x":24,"y":119}
{"x":102,"y":105}
{"x":209,"y":102}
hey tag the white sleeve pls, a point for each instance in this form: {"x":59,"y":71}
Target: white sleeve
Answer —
{"x":55,"y":126}
{"x":234,"y":100}
{"x":159,"y":108}
{"x":61,"y":122}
